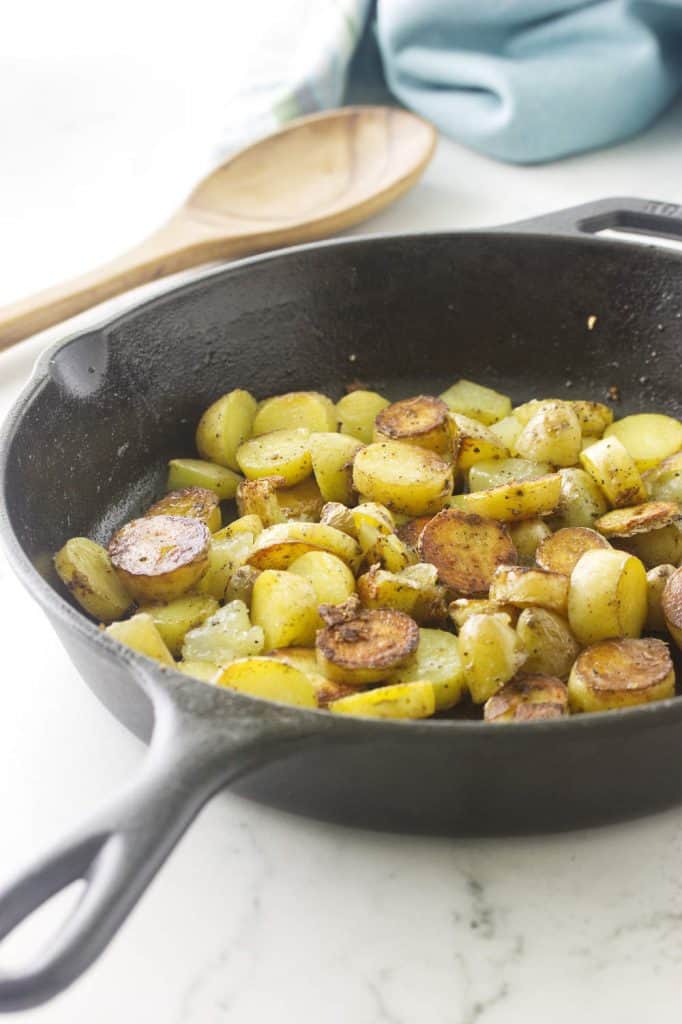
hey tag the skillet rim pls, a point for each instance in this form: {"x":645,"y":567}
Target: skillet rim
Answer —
{"x":142,"y":667}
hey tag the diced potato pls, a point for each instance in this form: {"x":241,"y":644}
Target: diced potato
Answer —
{"x":177,"y":617}
{"x":307,"y":409}
{"x":664,"y":482}
{"x":86,"y":570}
{"x":278,"y":546}
{"x":423,"y":421}
{"x":437,"y":659}
{"x":648,"y":437}
{"x":402,"y":477}
{"x":339,"y":516}
{"x":671,"y":604}
{"x":302,"y":501}
{"x":506,"y":431}
{"x":527,"y":535}
{"x":357,"y":412}
{"x":594,"y":417}
{"x":548,"y":641}
{"x":224,"y":636}
{"x":581,"y":500}
{"x":192,"y":502}
{"x":463,"y":608}
{"x":477,"y":443}
{"x":465,"y":549}
{"x":528,"y":698}
{"x":656,"y":581}
{"x":240,"y":585}
{"x":477,"y":402}
{"x":203,"y":670}
{"x":626,"y":522}
{"x":494,"y":472}
{"x":400,"y":700}
{"x":379,"y":544}
{"x":330,"y":578}
{"x":524,"y":413}
{"x":157,"y":558}
{"x":560,"y":551}
{"x":374,"y":515}
{"x":285,"y":606}
{"x":612,"y":467}
{"x":491,"y":654}
{"x":552,"y":435}
{"x":259,"y":498}
{"x":225,"y":557}
{"x":607,"y":596}
{"x":305,"y":659}
{"x":282,"y":453}
{"x":530,"y":588}
{"x":510,"y":502}
{"x":249,"y":523}
{"x":621,"y":673}
{"x":141,"y":635}
{"x":197,"y":473}
{"x":269,"y":679}
{"x":655,"y":548}
{"x":225,"y":426}
{"x":366,"y":646}
{"x":414,"y":591}
{"x":332,"y":456}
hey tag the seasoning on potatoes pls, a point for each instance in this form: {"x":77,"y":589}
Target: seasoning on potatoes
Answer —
{"x":302,"y":502}
{"x":476,"y":443}
{"x":664,"y":481}
{"x":413,"y":590}
{"x":581,"y":500}
{"x":491,"y":654}
{"x":423,"y":421}
{"x":332,"y":456}
{"x":194,"y":502}
{"x":494,"y":472}
{"x":285,"y":606}
{"x":259,"y":497}
{"x":86,"y":570}
{"x":607,"y":596}
{"x":523,"y":499}
{"x":157,"y":558}
{"x":462,"y":608}
{"x":656,"y":547}
{"x":552,"y":435}
{"x":526,"y":698}
{"x":465,"y":549}
{"x":403,"y":477}
{"x":651,"y":515}
{"x":548,"y":641}
{"x":225,"y":426}
{"x":527,"y":588}
{"x":560,"y":551}
{"x":621,"y":673}
{"x":269,"y":679}
{"x":611,"y":466}
{"x":367,"y":646}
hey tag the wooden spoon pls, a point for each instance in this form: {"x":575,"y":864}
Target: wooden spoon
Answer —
{"x":316,"y":176}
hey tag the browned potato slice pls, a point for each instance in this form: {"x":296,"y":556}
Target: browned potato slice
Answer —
{"x":466,"y":549}
{"x":656,"y":582}
{"x":528,"y":698}
{"x":403,"y":477}
{"x":527,"y":536}
{"x":308,"y":409}
{"x":278,"y":546}
{"x":302,"y":501}
{"x":671,"y":604}
{"x":528,"y":588}
{"x":366,"y":647}
{"x":547,"y":638}
{"x":508,"y":503}
{"x":399,"y":700}
{"x":160,"y":557}
{"x":423,"y":421}
{"x":410,"y":532}
{"x":195,"y":502}
{"x":464,"y":607}
{"x":620,"y":673}
{"x":86,"y":569}
{"x":561,"y":550}
{"x":655,"y":548}
{"x":225,"y":426}
{"x":258,"y":497}
{"x":626,"y":522}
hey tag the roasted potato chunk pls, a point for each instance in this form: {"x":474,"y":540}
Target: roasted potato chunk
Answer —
{"x":305,"y":659}
{"x":495,"y":472}
{"x":366,"y":646}
{"x":462,"y":608}
{"x":399,"y":700}
{"x":157,"y":558}
{"x":529,"y":588}
{"x":594,"y":417}
{"x":183,"y":473}
{"x":465,"y":549}
{"x":621,"y":673}
{"x":506,"y":431}
{"x":525,"y":499}
{"x":611,"y":466}
{"x":283,"y":453}
{"x":259,"y":498}
{"x":648,"y":437}
{"x":141,"y":635}
{"x":285,"y":606}
{"x":626,"y":522}
{"x":491,"y":654}
{"x":403,"y":477}
{"x":552,"y":435}
{"x":548,"y":641}
{"x":528,"y":698}
{"x":278,"y":546}
{"x":176,"y":618}
{"x":269,"y":679}
{"x":302,"y":501}
{"x":225,"y":426}
{"x":357,"y":412}
{"x":527,"y":535}
{"x":224,"y":636}
{"x":86,"y":570}
{"x":581,"y":500}
{"x":671,"y":603}
{"x":655,"y":548}
{"x":340,"y":517}
{"x":656,"y":582}
{"x":330,"y":578}
{"x":225,"y":557}
{"x":192,"y":502}
{"x":307,"y":409}
{"x":477,"y":402}
{"x":664,"y":482}
{"x":607,"y":596}
{"x":414,"y":590}
{"x":437,"y":659}
{"x":560,"y":551}
{"x":476,"y":443}
{"x":244,"y":524}
{"x":332,"y":456}
{"x":423,"y":421}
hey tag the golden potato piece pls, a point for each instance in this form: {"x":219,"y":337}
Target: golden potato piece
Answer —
{"x":529,"y":588}
{"x":174,"y":619}
{"x":607,"y":596}
{"x":437,"y":659}
{"x":302,"y":501}
{"x":477,"y":402}
{"x":366,"y":647}
{"x":330,"y":578}
{"x":224,"y":636}
{"x":611,"y":466}
{"x":357,"y":412}
{"x":157,"y":558}
{"x":462,"y":608}
{"x":548,"y":641}
{"x":524,"y":413}
{"x":495,"y":472}
{"x":560,"y":551}
{"x":626,"y":522}
{"x":285,"y":606}
{"x":197,"y":473}
{"x":332,"y":456}
{"x":259,"y":498}
{"x":621,"y":673}
{"x":422,"y":420}
{"x":269,"y":679}
{"x":283,"y":453}
{"x":305,"y":659}
{"x":194,"y":502}
{"x":339,"y":516}
{"x":250,"y":523}
{"x":656,"y":582}
{"x":506,"y":431}
{"x":552,"y":435}
{"x":403,"y":477}
{"x":465,"y":549}
{"x":525,"y":499}
{"x":414,"y":590}
{"x":648,"y":437}
{"x":141,"y":635}
{"x":491,"y":654}
{"x":527,"y":535}
{"x":225,"y":557}
{"x":225,"y":426}
{"x":278,"y":546}
{"x":581,"y":500}
{"x":528,"y":698}
{"x":664,"y":482}
{"x":307,"y":409}
{"x":594,"y":417}
{"x":86,"y":570}
{"x":476,"y":443}
{"x":671,"y":603}
{"x":656,"y":547}
{"x":400,"y":700}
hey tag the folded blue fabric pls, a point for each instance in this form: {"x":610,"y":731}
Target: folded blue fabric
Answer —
{"x":533,"y":80}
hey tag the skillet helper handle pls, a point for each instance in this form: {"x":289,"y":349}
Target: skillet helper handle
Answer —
{"x":628,"y":214}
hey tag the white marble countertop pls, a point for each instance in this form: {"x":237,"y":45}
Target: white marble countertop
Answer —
{"x":258,"y":915}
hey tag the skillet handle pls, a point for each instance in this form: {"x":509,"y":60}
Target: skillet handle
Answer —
{"x":636,"y":216}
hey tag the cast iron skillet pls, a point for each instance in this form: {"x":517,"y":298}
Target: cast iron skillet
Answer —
{"x":85,"y":449}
